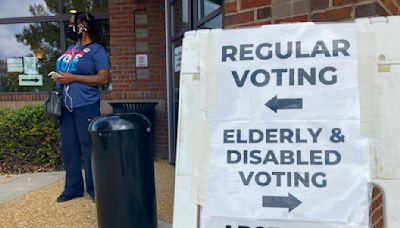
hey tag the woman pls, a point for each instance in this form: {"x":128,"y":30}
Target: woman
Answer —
{"x":80,"y":70}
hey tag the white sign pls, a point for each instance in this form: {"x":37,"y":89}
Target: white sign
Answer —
{"x":285,"y":137}
{"x":177,"y":58}
{"x":15,"y":65}
{"x":30,"y":65}
{"x":247,"y":223}
{"x":141,"y":60}
{"x":30,"y":80}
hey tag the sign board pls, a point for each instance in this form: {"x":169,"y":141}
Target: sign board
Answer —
{"x":30,"y":65}
{"x":285,"y":136}
{"x":141,"y":60}
{"x":248,"y":223}
{"x":30,"y":80}
{"x":177,"y":58}
{"x":15,"y":65}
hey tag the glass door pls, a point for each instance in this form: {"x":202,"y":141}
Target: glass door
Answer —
{"x":184,"y":15}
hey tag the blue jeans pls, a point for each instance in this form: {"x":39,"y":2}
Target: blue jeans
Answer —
{"x":74,"y":143}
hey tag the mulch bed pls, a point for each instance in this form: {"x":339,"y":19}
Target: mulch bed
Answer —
{"x":7,"y":167}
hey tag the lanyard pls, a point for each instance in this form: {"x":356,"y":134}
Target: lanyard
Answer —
{"x":66,"y":88}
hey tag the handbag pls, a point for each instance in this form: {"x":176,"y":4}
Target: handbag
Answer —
{"x":53,"y":105}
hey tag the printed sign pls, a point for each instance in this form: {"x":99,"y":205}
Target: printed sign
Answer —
{"x":177,"y":58}
{"x":30,"y":80}
{"x":141,"y":60}
{"x":15,"y":65}
{"x":30,"y":65}
{"x":247,"y":223}
{"x":285,"y":136}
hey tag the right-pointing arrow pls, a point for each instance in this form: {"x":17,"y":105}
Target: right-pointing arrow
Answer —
{"x":290,"y":202}
{"x":30,"y":80}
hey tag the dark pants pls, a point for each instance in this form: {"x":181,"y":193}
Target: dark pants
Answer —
{"x":74,"y":143}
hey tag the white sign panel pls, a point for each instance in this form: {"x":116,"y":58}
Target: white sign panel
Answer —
{"x":141,"y":60}
{"x":30,"y":80}
{"x":248,"y":223}
{"x":177,"y":58}
{"x":15,"y":65}
{"x":285,"y":138}
{"x":30,"y":65}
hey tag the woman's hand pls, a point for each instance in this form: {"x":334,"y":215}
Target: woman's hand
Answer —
{"x":66,"y":78}
{"x":101,"y":78}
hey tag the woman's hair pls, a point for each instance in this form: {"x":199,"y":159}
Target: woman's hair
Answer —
{"x":95,"y":31}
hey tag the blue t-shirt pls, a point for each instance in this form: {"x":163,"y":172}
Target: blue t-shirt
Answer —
{"x":87,"y":60}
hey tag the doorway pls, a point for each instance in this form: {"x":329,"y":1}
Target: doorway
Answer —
{"x":183,"y":16}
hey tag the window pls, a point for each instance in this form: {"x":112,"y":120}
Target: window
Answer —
{"x":27,"y":8}
{"x":32,"y":37}
{"x":208,"y":6}
{"x":26,"y":56}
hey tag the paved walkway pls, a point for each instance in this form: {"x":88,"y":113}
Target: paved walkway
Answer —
{"x":12,"y":187}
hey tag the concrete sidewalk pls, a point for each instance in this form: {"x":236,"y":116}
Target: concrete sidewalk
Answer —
{"x":14,"y":187}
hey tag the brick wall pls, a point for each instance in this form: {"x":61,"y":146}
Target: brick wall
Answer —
{"x":138,"y":27}
{"x":242,"y":13}
{"x":376,"y":208}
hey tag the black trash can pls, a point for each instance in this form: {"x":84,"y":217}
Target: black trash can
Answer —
{"x":123,"y":171}
{"x":145,"y":108}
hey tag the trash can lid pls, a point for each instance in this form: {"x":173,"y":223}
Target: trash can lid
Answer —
{"x":110,"y":123}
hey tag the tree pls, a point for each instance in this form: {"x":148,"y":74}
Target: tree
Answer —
{"x":42,"y":37}
{"x":45,"y":36}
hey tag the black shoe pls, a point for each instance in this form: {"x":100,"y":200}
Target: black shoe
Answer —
{"x":64,"y":198}
{"x":92,"y":198}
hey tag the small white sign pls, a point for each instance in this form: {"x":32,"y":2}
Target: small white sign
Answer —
{"x":141,"y":60}
{"x":30,"y":65}
{"x":15,"y":65}
{"x":30,"y":80}
{"x":177,"y":58}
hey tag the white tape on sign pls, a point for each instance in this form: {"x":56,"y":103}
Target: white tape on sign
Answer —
{"x":190,"y":53}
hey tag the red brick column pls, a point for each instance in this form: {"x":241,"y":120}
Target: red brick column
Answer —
{"x":138,"y":27}
{"x":376,"y":209}
{"x":240,"y":13}
{"x":339,"y":10}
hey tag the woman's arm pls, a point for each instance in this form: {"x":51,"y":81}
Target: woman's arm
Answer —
{"x":101,"y":78}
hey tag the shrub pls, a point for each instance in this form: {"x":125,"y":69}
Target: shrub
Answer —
{"x":26,"y":136}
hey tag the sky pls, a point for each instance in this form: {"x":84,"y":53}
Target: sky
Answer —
{"x":17,"y":8}
{"x":9,"y":47}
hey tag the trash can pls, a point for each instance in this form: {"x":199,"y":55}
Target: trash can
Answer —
{"x":123,"y":171}
{"x":145,"y":108}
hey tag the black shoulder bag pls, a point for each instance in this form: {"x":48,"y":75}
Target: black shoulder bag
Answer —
{"x":53,"y":105}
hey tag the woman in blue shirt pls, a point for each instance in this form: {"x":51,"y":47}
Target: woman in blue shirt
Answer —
{"x":80,"y":70}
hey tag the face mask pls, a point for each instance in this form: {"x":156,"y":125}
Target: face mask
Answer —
{"x":71,"y":34}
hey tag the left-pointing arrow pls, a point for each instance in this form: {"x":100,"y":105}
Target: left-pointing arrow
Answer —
{"x":292,"y":103}
{"x":290,"y":202}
